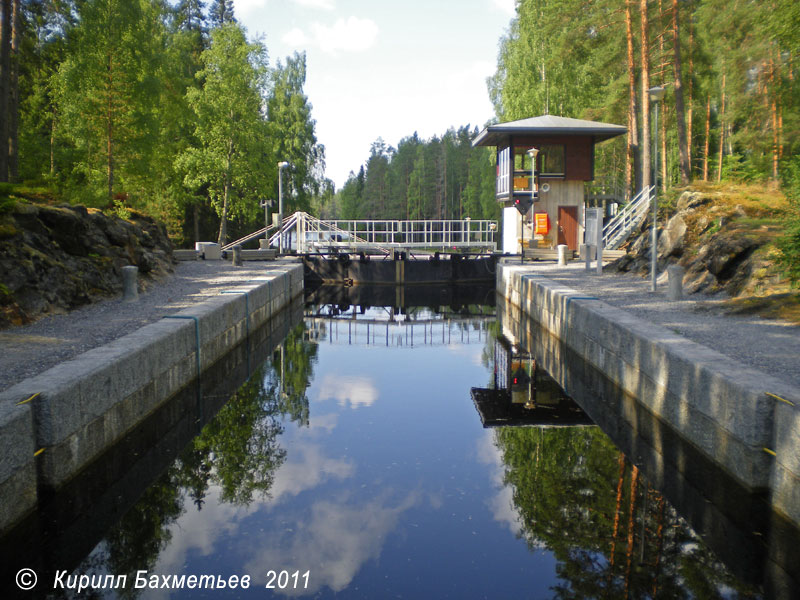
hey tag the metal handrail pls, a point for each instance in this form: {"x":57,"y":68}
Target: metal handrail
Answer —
{"x":617,"y":229}
{"x":248,"y":237}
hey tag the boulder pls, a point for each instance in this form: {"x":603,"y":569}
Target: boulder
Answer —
{"x":670,"y":242}
{"x":58,"y":258}
{"x":692,"y":200}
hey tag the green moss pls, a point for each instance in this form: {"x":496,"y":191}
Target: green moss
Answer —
{"x":7,"y":230}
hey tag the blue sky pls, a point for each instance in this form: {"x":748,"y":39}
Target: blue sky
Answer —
{"x":384,"y":68}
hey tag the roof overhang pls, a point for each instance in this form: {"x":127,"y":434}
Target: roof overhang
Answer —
{"x":547,"y":126}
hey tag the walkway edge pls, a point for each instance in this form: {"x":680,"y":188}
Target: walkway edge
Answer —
{"x":744,"y":420}
{"x":55,"y":423}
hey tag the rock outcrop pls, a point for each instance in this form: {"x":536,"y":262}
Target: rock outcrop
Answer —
{"x":56,"y":258}
{"x":703,"y":238}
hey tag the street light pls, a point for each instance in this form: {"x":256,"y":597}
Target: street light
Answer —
{"x":656,"y":95}
{"x":533,"y":153}
{"x":281,"y":166}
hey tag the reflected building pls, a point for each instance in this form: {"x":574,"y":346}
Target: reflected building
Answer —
{"x":524,"y":395}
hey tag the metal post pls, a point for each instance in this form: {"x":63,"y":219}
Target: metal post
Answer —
{"x":654,"y":241}
{"x":281,"y":165}
{"x":533,"y":152}
{"x":656,"y":94}
{"x":266,"y":222}
{"x":130,"y":290}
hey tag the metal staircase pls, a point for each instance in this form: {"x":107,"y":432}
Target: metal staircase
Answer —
{"x":617,"y":230}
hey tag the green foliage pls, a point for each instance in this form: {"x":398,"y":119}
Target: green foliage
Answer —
{"x":789,"y":244}
{"x":440,"y":178}
{"x":291,"y":127}
{"x":121,"y":211}
{"x":7,"y":204}
{"x":126,"y":101}
{"x":233,"y":151}
{"x":581,"y":71}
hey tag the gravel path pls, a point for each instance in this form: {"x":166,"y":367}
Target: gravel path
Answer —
{"x":29,"y":350}
{"x":768,"y":345}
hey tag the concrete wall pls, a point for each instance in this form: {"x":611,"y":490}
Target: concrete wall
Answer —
{"x":723,"y":408}
{"x":65,"y":528}
{"x":78,"y":409}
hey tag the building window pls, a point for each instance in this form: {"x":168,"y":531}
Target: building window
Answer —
{"x":552,"y":160}
{"x":502,"y":180}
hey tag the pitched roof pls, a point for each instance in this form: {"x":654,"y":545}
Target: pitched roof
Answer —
{"x":547,"y":125}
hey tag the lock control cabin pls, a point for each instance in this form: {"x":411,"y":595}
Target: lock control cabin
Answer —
{"x":543,"y":162}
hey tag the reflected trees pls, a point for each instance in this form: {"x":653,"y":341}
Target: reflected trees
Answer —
{"x":238,"y":452}
{"x":612,"y":534}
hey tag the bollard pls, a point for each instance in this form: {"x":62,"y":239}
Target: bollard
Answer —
{"x":562,"y":255}
{"x":586,"y":253}
{"x":130,"y":290}
{"x":237,"y":256}
{"x":675,"y":290}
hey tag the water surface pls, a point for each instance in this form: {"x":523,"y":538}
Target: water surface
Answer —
{"x":355,"y":454}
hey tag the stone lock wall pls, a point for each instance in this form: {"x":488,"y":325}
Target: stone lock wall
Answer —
{"x":54,"y":424}
{"x":745,"y":421}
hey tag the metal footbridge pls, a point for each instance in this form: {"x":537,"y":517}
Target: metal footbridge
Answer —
{"x":305,"y":233}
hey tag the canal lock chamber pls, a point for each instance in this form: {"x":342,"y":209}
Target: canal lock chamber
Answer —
{"x":377,"y":440}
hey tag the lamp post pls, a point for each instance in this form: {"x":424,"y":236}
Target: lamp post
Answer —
{"x":267,"y":204}
{"x":656,"y":94}
{"x":281,"y":166}
{"x":533,"y":153}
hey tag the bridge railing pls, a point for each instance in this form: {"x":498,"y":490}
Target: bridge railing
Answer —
{"x":404,"y":334}
{"x":384,"y":234}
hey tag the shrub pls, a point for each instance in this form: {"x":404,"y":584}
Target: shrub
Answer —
{"x":789,"y":243}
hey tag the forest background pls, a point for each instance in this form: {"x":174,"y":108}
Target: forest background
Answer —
{"x":169,"y":109}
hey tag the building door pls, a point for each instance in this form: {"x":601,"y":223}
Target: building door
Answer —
{"x":568,"y":226}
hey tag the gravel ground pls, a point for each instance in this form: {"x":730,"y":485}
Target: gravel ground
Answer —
{"x":768,"y":345}
{"x":29,"y":350}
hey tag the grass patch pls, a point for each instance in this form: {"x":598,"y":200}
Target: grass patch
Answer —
{"x":784,"y":306}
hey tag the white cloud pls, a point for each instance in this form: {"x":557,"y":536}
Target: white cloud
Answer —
{"x":348,"y":35}
{"x":346,"y":389}
{"x":306,"y":469}
{"x":333,"y":542}
{"x":501,"y":505}
{"x":507,"y":6}
{"x":248,"y":6}
{"x":295,"y":38}
{"x":323,"y":4}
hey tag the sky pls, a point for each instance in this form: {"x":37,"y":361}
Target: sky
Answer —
{"x":384,"y":68}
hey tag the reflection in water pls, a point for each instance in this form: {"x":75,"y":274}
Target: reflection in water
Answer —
{"x":333,"y":540}
{"x":348,"y":390}
{"x":368,"y":466}
{"x":611,"y":533}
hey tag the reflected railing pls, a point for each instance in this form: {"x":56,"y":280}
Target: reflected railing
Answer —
{"x":399,"y":316}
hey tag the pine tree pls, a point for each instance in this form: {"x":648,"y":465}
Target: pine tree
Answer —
{"x":221,"y":13}
{"x":106,"y":88}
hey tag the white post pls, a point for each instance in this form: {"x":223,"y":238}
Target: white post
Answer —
{"x":562,"y":255}
{"x":281,"y":166}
